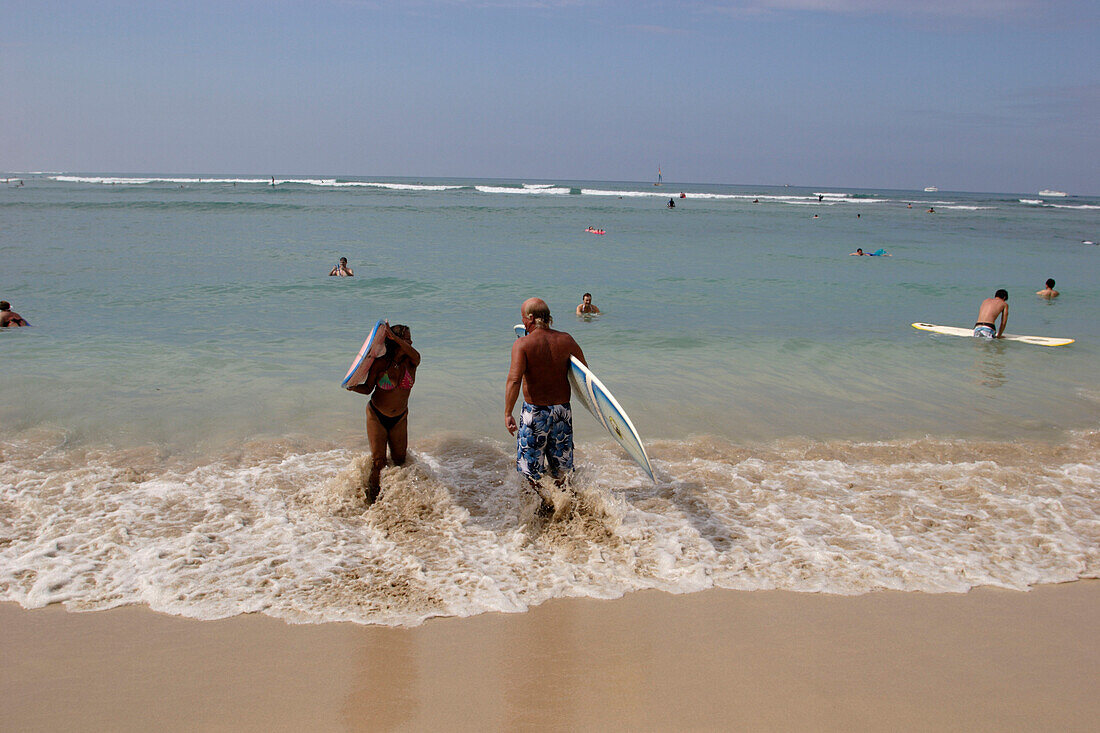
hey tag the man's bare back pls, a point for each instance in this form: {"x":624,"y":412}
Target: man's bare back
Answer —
{"x":993,"y":307}
{"x":540,"y":362}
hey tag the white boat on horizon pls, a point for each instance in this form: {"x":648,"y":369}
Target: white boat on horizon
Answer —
{"x":1058,"y":194}
{"x":931,"y":189}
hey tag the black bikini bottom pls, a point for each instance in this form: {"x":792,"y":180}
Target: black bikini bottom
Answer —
{"x":387,"y":422}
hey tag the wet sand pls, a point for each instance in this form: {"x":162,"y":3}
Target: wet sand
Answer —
{"x":986,"y":660}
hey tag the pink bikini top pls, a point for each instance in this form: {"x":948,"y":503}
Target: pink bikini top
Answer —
{"x":385,"y":383}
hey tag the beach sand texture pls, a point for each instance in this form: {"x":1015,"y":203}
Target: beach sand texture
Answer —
{"x":718,"y":660}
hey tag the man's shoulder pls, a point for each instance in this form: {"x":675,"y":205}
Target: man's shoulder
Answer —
{"x":560,"y":335}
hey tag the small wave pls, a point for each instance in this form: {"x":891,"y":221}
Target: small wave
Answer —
{"x":967,"y":208}
{"x":554,"y":190}
{"x":626,"y":194}
{"x":279,"y":527}
{"x":395,"y":186}
{"x":1074,"y":206}
{"x":1031,"y":201}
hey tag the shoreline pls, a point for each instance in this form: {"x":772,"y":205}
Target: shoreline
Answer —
{"x":989,"y":659}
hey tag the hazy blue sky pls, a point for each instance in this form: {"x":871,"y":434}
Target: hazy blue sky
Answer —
{"x":967,"y":95}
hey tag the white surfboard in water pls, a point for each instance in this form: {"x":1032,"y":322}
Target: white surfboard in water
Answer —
{"x":956,"y":331}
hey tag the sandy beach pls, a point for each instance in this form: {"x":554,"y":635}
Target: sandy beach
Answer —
{"x":985,"y":660}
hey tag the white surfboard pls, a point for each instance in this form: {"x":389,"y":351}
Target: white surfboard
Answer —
{"x":956,"y":331}
{"x":599,"y":401}
{"x":373,"y":347}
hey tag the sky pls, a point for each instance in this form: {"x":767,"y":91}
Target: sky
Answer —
{"x":967,"y":95}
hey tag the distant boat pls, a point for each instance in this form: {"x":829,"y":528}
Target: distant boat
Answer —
{"x":1048,"y":192}
{"x":658,"y":183}
{"x":931,"y":189}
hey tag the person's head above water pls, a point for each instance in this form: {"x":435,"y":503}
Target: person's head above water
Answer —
{"x":5,"y":305}
{"x":1002,"y":294}
{"x":1050,"y":282}
{"x":587,"y":298}
{"x":343,"y":260}
{"x":536,"y":313}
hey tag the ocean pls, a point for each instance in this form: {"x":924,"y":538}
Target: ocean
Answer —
{"x":173,"y":432}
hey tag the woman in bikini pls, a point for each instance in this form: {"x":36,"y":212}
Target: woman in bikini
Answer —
{"x":389,"y":383}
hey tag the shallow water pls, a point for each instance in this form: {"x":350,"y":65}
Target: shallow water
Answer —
{"x":174,"y":432}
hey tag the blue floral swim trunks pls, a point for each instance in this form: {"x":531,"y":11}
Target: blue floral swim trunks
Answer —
{"x":544,"y":440}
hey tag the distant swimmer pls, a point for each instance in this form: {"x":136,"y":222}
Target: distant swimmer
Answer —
{"x":594,"y":230}
{"x":1048,"y":292}
{"x":815,"y":216}
{"x":342,"y":269}
{"x":931,"y":210}
{"x":820,"y":197}
{"x":909,"y":206}
{"x":859,"y":252}
{"x":756,"y":201}
{"x":9,"y":318}
{"x":683,"y":195}
{"x":671,"y":204}
{"x":987,"y":316}
{"x":586,"y":307}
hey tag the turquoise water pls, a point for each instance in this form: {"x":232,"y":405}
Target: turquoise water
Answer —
{"x":203,"y":308}
{"x":187,"y":341}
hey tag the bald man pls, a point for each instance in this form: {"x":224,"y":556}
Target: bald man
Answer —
{"x":540,"y":365}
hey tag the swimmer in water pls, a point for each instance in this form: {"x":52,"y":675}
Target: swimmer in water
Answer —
{"x":342,"y":269}
{"x":586,"y":307}
{"x":9,"y":318}
{"x":1048,"y":292}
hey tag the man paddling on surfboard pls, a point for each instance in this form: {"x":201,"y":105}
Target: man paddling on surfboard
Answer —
{"x":987,"y":315}
{"x":540,"y":365}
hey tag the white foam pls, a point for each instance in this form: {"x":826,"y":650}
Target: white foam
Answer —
{"x":270,"y":530}
{"x":1031,"y":201}
{"x":138,"y":181}
{"x":395,"y":186}
{"x":1073,"y":206}
{"x":557,"y":191}
{"x":626,"y":194}
{"x":968,"y":208}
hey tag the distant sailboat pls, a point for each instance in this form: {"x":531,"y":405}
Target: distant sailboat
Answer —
{"x":931,"y":189}
{"x":658,"y":183}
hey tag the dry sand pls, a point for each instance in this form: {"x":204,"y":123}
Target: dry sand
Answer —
{"x":988,"y":660}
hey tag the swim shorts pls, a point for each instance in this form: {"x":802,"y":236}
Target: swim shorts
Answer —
{"x":984,"y":332}
{"x":544,"y":440}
